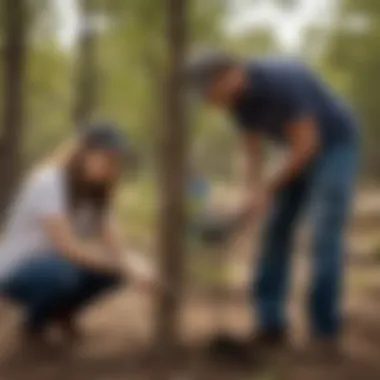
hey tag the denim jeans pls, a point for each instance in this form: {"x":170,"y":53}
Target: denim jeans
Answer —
{"x":326,"y":186}
{"x":50,"y":284}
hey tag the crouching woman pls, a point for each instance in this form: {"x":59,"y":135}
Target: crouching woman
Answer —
{"x":60,"y":249}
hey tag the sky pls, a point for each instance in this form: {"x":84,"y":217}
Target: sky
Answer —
{"x":288,"y":25}
{"x":69,"y":21}
{"x":244,"y":14}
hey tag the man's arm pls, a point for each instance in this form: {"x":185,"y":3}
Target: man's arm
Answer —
{"x":252,"y":161}
{"x":252,"y":174}
{"x":303,"y":140}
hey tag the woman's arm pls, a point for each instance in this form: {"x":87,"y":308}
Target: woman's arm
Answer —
{"x":66,"y":242}
{"x":136,"y":268}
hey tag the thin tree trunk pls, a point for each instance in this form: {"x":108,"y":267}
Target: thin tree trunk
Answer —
{"x":14,"y":21}
{"x":85,"y":96}
{"x":154,"y":71}
{"x":173,"y":162}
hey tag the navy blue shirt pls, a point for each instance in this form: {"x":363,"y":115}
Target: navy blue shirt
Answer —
{"x":279,"y":92}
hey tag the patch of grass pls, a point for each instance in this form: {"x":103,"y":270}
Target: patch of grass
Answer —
{"x":136,"y":207}
{"x":364,"y":279}
{"x":208,"y":271}
{"x":376,"y":253}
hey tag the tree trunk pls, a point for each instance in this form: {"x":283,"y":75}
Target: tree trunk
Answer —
{"x":14,"y":21}
{"x":172,"y":170}
{"x":86,"y":72}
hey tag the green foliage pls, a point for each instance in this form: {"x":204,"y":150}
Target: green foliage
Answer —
{"x":130,"y":55}
{"x":48,"y":100}
{"x":353,"y":57}
{"x":136,"y":207}
{"x":253,"y":42}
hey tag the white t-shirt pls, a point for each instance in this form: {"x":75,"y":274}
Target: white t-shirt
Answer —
{"x":42,"y":194}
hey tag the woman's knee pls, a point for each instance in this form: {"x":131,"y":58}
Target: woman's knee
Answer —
{"x":34,"y":279}
{"x":108,"y":280}
{"x":101,"y":280}
{"x":58,"y":280}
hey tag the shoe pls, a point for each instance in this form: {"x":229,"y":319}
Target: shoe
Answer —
{"x":229,"y":349}
{"x":268,"y":339}
{"x":65,"y":322}
{"x":35,"y":342}
{"x":68,"y":328}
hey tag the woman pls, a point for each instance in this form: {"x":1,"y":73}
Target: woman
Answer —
{"x":60,"y":249}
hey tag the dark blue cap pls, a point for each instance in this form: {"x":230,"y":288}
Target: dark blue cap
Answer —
{"x":104,"y":136}
{"x":204,"y":68}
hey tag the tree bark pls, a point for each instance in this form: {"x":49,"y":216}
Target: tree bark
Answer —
{"x":14,"y":21}
{"x":172,"y":160}
{"x":86,"y":78}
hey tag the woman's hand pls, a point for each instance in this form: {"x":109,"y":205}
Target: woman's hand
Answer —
{"x":74,"y":249}
{"x":107,"y":264}
{"x":149,"y":285}
{"x":139,"y":272}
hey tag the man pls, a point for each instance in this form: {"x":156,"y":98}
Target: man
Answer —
{"x":285,"y":102}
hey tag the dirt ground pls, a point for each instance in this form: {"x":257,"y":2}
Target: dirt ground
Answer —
{"x":118,"y":329}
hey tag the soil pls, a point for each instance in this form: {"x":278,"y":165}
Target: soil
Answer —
{"x":117,"y":330}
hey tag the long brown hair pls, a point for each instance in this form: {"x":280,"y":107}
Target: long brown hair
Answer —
{"x":71,"y":156}
{"x":97,"y":196}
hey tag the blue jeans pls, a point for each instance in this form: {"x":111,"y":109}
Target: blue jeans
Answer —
{"x":48,"y":285}
{"x":328,"y":185}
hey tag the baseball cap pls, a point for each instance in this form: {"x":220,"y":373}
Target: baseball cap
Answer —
{"x":204,"y":68}
{"x":104,"y":135}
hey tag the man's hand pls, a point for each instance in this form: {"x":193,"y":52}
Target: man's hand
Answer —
{"x":219,"y":228}
{"x":256,"y":203}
